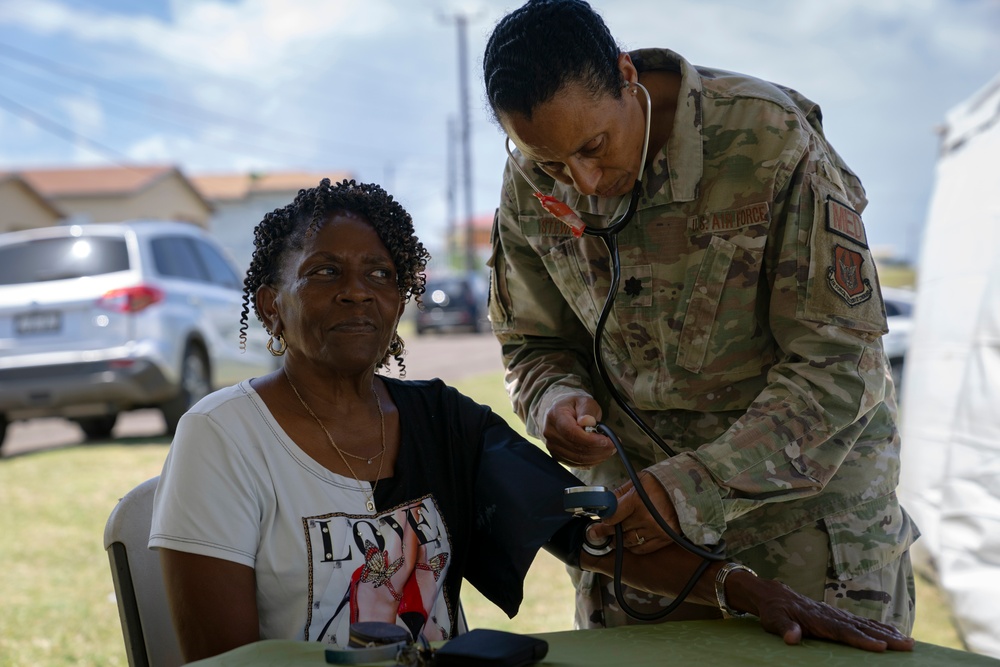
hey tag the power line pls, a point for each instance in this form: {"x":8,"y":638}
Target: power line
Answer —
{"x":125,"y":90}
{"x":182,"y":109}
{"x":63,"y":132}
{"x":240,"y":147}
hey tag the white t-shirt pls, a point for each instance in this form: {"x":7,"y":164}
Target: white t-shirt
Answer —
{"x":235,"y":487}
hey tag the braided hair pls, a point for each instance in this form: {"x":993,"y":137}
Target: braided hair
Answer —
{"x":286,"y":229}
{"x":537,"y":49}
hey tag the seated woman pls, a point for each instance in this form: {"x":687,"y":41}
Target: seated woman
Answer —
{"x":323,"y":494}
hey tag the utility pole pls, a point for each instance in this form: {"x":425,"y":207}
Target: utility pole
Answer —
{"x":450,"y":240}
{"x":462,"y":23}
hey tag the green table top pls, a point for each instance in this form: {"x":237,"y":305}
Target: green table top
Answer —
{"x":730,"y":642}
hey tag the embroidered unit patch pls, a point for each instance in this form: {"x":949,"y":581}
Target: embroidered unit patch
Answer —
{"x":845,"y":277}
{"x":844,"y":221}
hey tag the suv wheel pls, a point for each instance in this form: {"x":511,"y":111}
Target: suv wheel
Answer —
{"x":97,"y":428}
{"x":195,"y":384}
{"x":3,"y":429}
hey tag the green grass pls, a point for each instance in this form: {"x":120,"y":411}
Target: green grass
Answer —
{"x":56,"y":597}
{"x":58,"y":606}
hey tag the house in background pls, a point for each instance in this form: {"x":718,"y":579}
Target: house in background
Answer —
{"x":113,"y":194}
{"x":22,"y":207}
{"x":227,"y":205}
{"x":240,"y":201}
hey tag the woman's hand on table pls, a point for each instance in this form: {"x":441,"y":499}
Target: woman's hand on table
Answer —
{"x":795,"y":617}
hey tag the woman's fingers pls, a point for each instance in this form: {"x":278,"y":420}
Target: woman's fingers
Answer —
{"x":821,"y":621}
{"x":795,"y":617}
{"x":792,"y":634}
{"x":566,"y":437}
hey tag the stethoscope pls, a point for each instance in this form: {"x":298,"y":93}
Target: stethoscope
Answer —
{"x":609,"y":235}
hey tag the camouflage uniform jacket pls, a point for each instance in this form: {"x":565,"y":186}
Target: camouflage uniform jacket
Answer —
{"x":746,"y":328}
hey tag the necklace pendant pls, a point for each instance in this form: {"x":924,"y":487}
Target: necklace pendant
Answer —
{"x":369,"y":461}
{"x":370,"y":505}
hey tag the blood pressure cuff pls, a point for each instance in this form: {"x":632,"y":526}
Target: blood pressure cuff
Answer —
{"x":567,"y":542}
{"x":519,"y":508}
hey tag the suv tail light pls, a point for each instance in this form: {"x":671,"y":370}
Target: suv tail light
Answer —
{"x":130,"y":299}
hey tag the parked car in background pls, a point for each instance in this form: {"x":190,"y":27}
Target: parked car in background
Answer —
{"x":454,"y":303}
{"x":99,"y":319}
{"x":899,"y":313}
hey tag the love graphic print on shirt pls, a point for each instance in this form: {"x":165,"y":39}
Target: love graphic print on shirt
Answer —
{"x":387,"y":568}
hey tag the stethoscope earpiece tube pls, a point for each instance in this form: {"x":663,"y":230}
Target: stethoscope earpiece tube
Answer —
{"x":609,"y":235}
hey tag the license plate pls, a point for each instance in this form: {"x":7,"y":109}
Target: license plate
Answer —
{"x":40,"y":322}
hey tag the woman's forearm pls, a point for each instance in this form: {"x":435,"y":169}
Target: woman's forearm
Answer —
{"x":781,"y":610}
{"x":213,"y":603}
{"x":664,"y":572}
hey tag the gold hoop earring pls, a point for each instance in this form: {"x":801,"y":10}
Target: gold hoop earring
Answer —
{"x":396,"y":345}
{"x":282,"y":345}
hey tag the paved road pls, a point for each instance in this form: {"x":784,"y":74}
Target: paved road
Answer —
{"x":451,"y":356}
{"x":447,"y":356}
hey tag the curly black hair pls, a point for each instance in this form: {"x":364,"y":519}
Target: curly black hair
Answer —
{"x":538,"y":48}
{"x":286,"y":229}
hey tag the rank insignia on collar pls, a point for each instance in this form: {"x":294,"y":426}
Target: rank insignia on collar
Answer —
{"x":845,"y":276}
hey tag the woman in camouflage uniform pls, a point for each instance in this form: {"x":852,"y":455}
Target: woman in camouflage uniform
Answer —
{"x":746,"y":329}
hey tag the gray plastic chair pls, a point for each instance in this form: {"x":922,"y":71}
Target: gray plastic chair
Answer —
{"x":150,"y":640}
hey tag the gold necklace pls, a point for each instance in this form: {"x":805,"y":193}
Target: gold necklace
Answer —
{"x":370,"y":498}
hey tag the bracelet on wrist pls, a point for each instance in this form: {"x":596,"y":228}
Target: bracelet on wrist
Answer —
{"x":720,"y":589}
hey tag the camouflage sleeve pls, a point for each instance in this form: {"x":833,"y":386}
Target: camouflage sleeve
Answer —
{"x":825,"y":313}
{"x":544,"y":344}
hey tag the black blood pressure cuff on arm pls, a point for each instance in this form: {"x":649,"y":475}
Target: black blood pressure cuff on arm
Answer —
{"x":567,"y":542}
{"x":519,"y":493}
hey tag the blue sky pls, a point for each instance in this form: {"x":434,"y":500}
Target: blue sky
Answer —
{"x":218,"y":86}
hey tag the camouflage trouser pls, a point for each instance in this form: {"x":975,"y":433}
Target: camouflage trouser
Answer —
{"x":885,"y":594}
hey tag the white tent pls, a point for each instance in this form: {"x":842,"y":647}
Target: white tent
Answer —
{"x":950,"y":478}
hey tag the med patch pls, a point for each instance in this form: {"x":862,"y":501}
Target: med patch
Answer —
{"x":842,"y":285}
{"x":844,"y":221}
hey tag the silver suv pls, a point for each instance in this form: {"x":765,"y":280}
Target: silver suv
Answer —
{"x":99,"y":319}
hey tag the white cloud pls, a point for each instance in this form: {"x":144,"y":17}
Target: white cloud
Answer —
{"x":85,"y":112}
{"x":225,"y":38}
{"x":156,"y":149}
{"x":42,"y":16}
{"x":368,"y":85}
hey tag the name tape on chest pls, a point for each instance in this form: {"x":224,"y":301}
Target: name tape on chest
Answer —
{"x":727,"y":221}
{"x":547,"y":226}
